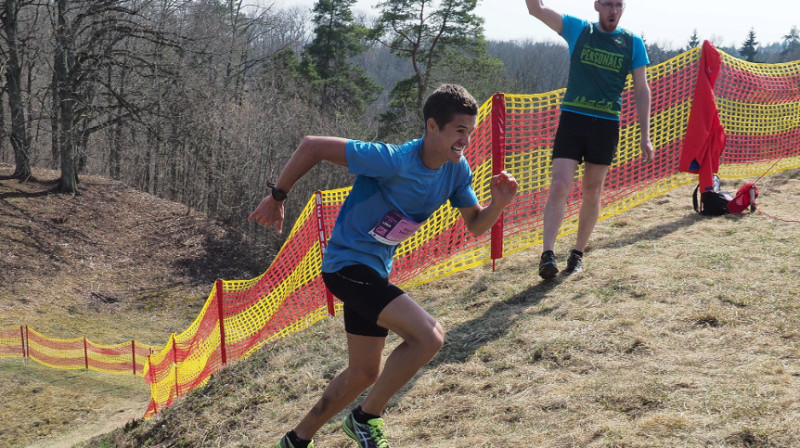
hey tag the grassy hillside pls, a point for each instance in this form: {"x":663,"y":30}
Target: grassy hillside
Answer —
{"x":112,"y":264}
{"x":684,"y":331}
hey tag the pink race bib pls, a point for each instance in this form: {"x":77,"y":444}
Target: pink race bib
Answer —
{"x":394,"y":228}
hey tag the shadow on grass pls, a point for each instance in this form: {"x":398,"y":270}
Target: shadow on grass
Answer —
{"x":464,"y":340}
{"x":657,"y":232}
{"x":226,"y":256}
{"x":49,"y":187}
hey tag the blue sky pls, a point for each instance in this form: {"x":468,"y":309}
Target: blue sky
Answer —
{"x":669,"y":23}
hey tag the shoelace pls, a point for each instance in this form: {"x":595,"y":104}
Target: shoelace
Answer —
{"x":378,"y":433}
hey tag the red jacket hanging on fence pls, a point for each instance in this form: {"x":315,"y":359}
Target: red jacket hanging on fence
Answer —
{"x":705,"y":136}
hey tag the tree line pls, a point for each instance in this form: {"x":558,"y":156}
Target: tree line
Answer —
{"x":203,"y":101}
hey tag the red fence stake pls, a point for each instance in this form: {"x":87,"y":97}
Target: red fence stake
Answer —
{"x":175,"y":362}
{"x":323,"y":244}
{"x":26,"y":348}
{"x":85,"y":354}
{"x":498,"y":165}
{"x":133,"y":352}
{"x":22,"y":341}
{"x":152,"y":379}
{"x":221,"y":322}
{"x":174,"y":350}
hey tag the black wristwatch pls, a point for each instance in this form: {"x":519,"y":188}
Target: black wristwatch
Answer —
{"x":277,"y":194}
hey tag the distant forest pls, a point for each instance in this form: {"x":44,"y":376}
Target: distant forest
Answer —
{"x":203,"y":101}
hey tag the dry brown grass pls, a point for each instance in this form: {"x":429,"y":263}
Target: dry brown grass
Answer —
{"x":684,"y":331}
{"x":112,"y":264}
{"x":44,"y":407}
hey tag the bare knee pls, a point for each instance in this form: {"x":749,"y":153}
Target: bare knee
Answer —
{"x":433,"y":341}
{"x":363,"y":376}
{"x":592,"y":193}
{"x":560,"y":187}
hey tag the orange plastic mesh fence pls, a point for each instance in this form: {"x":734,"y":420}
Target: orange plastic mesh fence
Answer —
{"x":290,"y":295}
{"x":759,"y":107}
{"x":12,"y":342}
{"x":127,"y":358}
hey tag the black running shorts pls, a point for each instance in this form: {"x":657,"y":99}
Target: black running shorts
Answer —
{"x":585,"y":138}
{"x":364,"y":294}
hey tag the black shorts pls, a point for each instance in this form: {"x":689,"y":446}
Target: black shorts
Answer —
{"x":585,"y":138}
{"x":364,"y":294}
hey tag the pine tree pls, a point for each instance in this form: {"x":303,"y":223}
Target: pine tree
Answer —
{"x":749,"y":49}
{"x":694,"y":41}
{"x":791,"y":45}
{"x":345,"y":87}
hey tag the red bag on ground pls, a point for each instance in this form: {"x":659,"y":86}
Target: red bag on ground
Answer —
{"x":744,"y":198}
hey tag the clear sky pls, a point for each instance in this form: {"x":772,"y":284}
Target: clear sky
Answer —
{"x":666,"y":22}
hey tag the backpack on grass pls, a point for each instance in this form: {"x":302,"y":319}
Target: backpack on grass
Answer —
{"x":716,"y":202}
{"x":712,"y":203}
{"x":745,"y":197}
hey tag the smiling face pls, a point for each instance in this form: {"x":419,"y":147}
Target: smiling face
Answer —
{"x":447,"y":143}
{"x":610,"y":11}
{"x":451,"y":114}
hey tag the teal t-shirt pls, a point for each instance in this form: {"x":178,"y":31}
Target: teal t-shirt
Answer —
{"x":599,"y":65}
{"x":392,"y":192}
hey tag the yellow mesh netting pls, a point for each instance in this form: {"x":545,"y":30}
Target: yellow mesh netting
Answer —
{"x":759,"y":107}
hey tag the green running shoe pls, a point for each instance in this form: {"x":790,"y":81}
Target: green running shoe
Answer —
{"x":286,"y":443}
{"x":368,"y":435}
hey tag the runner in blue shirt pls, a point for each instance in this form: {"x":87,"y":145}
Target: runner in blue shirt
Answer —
{"x":397,"y":187}
{"x":601,"y":56}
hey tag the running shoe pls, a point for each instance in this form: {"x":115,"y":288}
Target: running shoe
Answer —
{"x":547,"y":265}
{"x":368,"y":435}
{"x":574,"y":264}
{"x":286,"y":443}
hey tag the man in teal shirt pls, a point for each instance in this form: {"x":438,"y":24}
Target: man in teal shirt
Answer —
{"x":601,"y":56}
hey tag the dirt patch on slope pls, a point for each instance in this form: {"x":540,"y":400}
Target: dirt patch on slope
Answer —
{"x":111,"y":264}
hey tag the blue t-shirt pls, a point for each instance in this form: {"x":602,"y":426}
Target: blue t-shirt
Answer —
{"x":599,"y":65}
{"x":391,"y":181}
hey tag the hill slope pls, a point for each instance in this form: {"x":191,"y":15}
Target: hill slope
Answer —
{"x":683,"y":331}
{"x":111,"y":264}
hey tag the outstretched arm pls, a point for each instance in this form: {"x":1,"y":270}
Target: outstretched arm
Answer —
{"x":478,"y":218}
{"x":641,"y":91}
{"x":311,"y":151}
{"x":549,"y":16}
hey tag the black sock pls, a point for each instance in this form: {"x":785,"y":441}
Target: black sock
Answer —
{"x":548,"y":251}
{"x":297,"y":441}
{"x":363,"y":417}
{"x":577,"y":252}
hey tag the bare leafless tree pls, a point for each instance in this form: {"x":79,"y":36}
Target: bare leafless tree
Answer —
{"x":12,"y":57}
{"x":92,"y":40}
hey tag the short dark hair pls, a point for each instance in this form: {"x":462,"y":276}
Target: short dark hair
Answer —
{"x":446,"y":101}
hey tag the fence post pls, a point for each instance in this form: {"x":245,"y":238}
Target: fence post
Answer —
{"x":133,"y":353}
{"x":85,"y":354}
{"x":175,"y":363}
{"x":221,"y":322}
{"x":323,"y":244}
{"x":22,"y":343}
{"x":498,"y":165}
{"x":26,"y":349}
{"x":152,"y":381}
